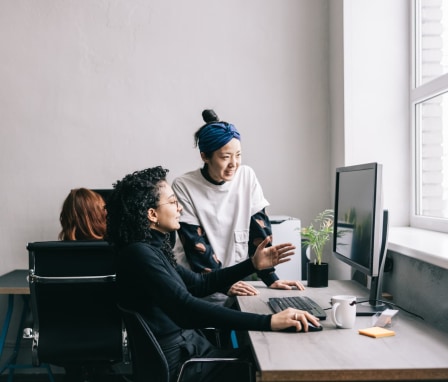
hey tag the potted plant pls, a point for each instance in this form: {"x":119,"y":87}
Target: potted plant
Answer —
{"x":315,"y":237}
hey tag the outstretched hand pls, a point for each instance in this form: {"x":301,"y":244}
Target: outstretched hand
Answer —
{"x":271,"y":256}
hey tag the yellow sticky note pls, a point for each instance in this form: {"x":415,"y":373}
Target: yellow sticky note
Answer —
{"x":377,"y":332}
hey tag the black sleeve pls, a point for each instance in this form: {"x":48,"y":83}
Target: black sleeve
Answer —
{"x":260,"y":228}
{"x":199,"y":252}
{"x":167,"y":296}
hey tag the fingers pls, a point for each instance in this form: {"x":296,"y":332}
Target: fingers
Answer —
{"x":279,"y":284}
{"x":302,"y":319}
{"x":271,"y":256}
{"x":246,"y":288}
{"x":280,"y":253}
{"x":287,"y":284}
{"x":265,"y":242}
{"x":296,"y":284}
{"x":295,"y":318}
{"x":284,"y":246}
{"x":285,"y":249}
{"x":242,"y":288}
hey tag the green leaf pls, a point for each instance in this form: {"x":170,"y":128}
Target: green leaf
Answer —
{"x":316,"y":238}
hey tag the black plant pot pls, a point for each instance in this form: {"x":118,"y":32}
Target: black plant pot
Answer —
{"x":317,"y":275}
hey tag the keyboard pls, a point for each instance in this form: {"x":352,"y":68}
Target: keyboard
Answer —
{"x":278,"y":304}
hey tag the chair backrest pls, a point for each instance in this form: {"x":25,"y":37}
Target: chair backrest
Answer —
{"x":74,"y":304}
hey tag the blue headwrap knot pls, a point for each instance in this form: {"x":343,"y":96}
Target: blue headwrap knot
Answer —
{"x":215,"y":135}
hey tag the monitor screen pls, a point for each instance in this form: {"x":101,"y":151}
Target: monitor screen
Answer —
{"x":358,"y":217}
{"x":104,"y":192}
{"x":361,"y":227}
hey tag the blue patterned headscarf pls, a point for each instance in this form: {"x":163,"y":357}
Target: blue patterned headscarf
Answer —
{"x":215,"y":135}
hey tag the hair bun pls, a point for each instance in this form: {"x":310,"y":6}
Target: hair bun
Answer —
{"x":209,"y":116}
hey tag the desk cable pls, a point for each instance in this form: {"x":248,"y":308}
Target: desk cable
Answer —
{"x":386,"y":303}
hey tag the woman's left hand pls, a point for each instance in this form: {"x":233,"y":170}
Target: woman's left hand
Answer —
{"x":241,"y":288}
{"x":287,"y":284}
{"x":271,"y":256}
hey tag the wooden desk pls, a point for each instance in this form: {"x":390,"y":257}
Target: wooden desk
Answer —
{"x":15,"y":282}
{"x":417,"y":351}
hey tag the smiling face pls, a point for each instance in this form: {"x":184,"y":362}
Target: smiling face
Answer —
{"x":224,"y":162}
{"x":165,"y":217}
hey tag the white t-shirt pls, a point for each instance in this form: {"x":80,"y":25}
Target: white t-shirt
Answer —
{"x":223,"y":211}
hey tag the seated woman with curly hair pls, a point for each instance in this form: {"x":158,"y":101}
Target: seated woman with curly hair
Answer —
{"x":142,"y":212}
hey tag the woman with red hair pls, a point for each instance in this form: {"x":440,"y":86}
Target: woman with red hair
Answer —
{"x":83,"y":216}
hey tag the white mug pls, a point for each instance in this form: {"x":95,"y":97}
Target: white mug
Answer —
{"x":343,"y":313}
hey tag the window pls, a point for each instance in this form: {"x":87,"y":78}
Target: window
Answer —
{"x":429,"y":101}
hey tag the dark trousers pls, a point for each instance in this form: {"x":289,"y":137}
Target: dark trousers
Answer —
{"x":191,"y":344}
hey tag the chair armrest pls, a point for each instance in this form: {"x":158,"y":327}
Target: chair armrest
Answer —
{"x":211,"y":360}
{"x":71,"y":279}
{"x":196,"y":360}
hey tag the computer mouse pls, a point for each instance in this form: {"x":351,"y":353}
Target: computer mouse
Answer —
{"x":311,"y":328}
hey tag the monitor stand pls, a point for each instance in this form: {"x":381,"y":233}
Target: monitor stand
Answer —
{"x":366,"y":309}
{"x":374,"y":305}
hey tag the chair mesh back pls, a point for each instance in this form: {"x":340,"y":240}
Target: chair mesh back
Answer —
{"x":74,"y":304}
{"x":71,"y":258}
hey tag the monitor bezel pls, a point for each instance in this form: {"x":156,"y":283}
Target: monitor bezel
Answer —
{"x":373,"y":270}
{"x":104,"y":192}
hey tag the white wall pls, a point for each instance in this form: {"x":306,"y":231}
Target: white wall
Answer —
{"x":369,"y":93}
{"x":376,"y":95}
{"x":92,"y":90}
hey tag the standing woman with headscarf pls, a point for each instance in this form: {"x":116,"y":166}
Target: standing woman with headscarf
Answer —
{"x":224,"y":217}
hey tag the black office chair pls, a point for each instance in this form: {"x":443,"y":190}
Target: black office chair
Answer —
{"x":73,"y":300}
{"x":148,"y":360}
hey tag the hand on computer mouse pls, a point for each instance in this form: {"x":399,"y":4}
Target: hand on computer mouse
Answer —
{"x":294,"y":320}
{"x":311,"y":328}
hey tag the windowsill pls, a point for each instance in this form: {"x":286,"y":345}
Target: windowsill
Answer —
{"x":424,"y":245}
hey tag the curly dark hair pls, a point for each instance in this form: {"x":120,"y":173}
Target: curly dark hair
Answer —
{"x":128,"y":205}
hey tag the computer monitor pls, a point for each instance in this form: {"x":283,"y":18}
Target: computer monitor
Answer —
{"x":104,"y":192}
{"x":361,"y":226}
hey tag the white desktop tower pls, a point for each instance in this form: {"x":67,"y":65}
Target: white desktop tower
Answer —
{"x":286,"y":229}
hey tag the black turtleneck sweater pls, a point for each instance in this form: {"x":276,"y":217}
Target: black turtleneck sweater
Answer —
{"x":168,"y":296}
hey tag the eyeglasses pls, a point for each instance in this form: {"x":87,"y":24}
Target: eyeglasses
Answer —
{"x":174,"y":202}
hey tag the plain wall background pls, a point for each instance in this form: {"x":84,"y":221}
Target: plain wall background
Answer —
{"x":93,"y":90}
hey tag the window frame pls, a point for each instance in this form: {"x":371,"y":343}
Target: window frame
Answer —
{"x":420,"y":93}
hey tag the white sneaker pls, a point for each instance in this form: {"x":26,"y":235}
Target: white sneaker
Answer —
{"x":27,"y":333}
